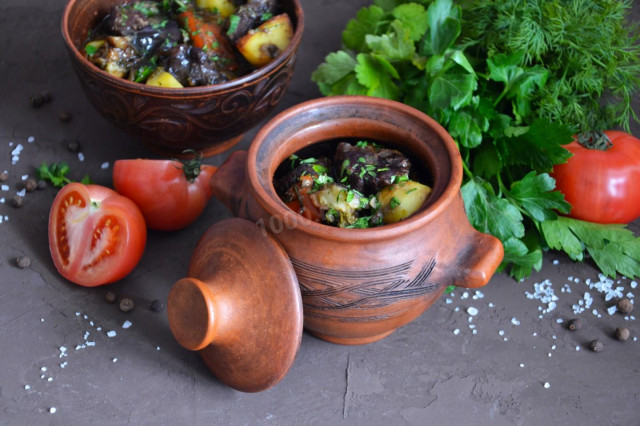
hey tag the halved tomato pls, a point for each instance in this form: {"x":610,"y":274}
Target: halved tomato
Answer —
{"x":96,"y":236}
{"x":171,"y":194}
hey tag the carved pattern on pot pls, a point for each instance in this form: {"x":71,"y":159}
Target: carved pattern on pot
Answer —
{"x":331,"y":293}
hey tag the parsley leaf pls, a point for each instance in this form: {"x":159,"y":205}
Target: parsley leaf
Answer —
{"x":535,"y":194}
{"x":613,"y":248}
{"x":56,"y":173}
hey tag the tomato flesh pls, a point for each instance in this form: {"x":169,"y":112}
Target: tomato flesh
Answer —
{"x":96,"y":236}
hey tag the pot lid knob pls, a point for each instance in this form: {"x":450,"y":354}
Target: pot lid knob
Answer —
{"x":240,"y":306}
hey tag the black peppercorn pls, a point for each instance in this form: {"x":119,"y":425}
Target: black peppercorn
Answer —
{"x":23,"y":262}
{"x":155,"y":305}
{"x":126,"y":304}
{"x":3,"y":176}
{"x":596,"y":345}
{"x":624,"y":306}
{"x":64,"y":116}
{"x":110,"y":297}
{"x":42,"y":184}
{"x":46,"y":96}
{"x":73,"y":146}
{"x":575,"y":324}
{"x":622,"y":333}
{"x":17,"y":201}
{"x":30,"y":185}
{"x":36,"y":100}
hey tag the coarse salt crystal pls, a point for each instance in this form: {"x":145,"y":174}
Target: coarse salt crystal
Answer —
{"x":27,"y":387}
{"x":577,"y":348}
{"x":31,"y":139}
{"x":111,"y":333}
{"x":448,"y":301}
{"x":547,"y":385}
{"x":64,"y":364}
{"x":556,"y":261}
{"x":5,"y":187}
{"x":559,"y":320}
{"x":474,"y":331}
{"x":24,"y":177}
{"x":50,"y":379}
{"x":612,"y":309}
{"x":91,"y":343}
{"x":22,"y":192}
{"x":633,"y":284}
{"x":472,"y":311}
{"x":501,"y":332}
{"x":456,"y":331}
{"x":104,"y":165}
{"x":521,"y":365}
{"x":490,"y":305}
{"x":553,"y":347}
{"x":80,"y":157}
{"x":464,"y":295}
{"x":115,"y":360}
{"x":157,"y":348}
{"x":52,"y":410}
{"x":515,"y":321}
{"x":43,"y":369}
{"x":127,"y":324}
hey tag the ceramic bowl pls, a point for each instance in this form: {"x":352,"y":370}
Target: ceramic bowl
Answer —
{"x":359,"y":285}
{"x":210,"y":119}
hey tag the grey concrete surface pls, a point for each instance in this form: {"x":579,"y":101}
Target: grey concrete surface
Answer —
{"x":432,"y":371}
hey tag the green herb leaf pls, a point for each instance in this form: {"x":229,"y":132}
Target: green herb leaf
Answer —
{"x":535,"y":194}
{"x":613,"y":248}
{"x":366,"y":22}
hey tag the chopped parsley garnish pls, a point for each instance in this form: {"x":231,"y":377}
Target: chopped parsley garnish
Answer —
{"x":90,"y":49}
{"x":234,"y":20}
{"x":394,"y":202}
{"x":266,"y":16}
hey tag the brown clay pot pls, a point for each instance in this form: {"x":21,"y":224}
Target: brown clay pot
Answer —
{"x":251,"y":278}
{"x":209,"y":119}
{"x":359,"y":285}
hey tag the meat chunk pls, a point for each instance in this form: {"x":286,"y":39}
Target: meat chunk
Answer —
{"x":368,"y":168}
{"x":251,"y":15}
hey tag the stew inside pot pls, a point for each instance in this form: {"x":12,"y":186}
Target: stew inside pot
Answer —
{"x":352,"y":184}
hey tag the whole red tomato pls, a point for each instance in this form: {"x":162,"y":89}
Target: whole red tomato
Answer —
{"x":96,"y":236}
{"x":602,"y":185}
{"x":171,"y":194}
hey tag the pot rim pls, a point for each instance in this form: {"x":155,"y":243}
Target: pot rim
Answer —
{"x":198,"y":91}
{"x":269,"y":200}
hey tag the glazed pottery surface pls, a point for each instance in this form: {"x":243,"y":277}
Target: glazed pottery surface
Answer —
{"x":359,"y":285}
{"x":209,"y":119}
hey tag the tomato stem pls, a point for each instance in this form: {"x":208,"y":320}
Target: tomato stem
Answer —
{"x":595,"y":140}
{"x":191,"y":168}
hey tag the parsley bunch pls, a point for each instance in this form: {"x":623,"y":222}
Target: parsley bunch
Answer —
{"x":495,"y":100}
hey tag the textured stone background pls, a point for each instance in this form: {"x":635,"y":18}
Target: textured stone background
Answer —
{"x":422,"y":374}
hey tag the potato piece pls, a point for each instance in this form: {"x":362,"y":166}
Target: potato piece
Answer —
{"x":401,"y":200}
{"x":162,"y":78}
{"x":261,"y":45}
{"x":225,"y":8}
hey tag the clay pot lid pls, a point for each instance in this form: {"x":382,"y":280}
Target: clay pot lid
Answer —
{"x":240,"y":307}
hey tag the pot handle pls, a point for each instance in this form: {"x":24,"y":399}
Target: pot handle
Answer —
{"x":228,"y":181}
{"x":478,"y":263}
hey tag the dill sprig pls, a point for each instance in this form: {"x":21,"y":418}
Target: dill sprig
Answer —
{"x":590,"y":49}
